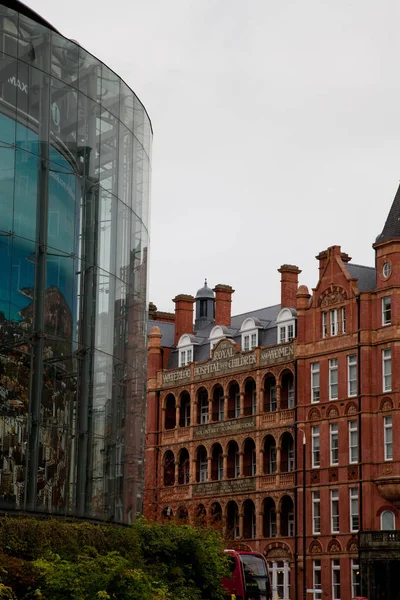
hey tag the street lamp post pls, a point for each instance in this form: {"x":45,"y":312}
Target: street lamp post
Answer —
{"x":304,"y":516}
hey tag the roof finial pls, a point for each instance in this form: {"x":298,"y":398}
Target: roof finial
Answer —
{"x":205,"y":282}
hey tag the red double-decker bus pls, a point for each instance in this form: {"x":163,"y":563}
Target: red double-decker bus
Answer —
{"x":249,"y":578}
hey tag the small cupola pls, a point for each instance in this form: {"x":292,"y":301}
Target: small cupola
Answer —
{"x":205,"y":307}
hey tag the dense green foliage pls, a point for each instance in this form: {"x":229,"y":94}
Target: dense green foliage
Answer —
{"x":59,"y":560}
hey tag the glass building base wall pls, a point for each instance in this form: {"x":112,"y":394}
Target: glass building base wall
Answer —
{"x":75,"y":145}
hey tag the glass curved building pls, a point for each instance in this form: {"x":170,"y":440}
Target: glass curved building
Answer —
{"x":75,"y":147}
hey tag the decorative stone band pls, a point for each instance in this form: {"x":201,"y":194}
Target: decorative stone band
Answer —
{"x":230,"y":486}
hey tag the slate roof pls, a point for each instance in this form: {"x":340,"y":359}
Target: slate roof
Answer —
{"x":366,"y":276}
{"x":167,"y":331}
{"x":391,"y":229}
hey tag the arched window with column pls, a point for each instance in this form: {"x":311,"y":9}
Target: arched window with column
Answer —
{"x":249,"y":458}
{"x":201,"y":464}
{"x":184,"y":413}
{"x":250,"y":397}
{"x":233,"y":400}
{"x":287,"y":390}
{"x":170,"y":412}
{"x":270,"y":404}
{"x":249,"y":519}
{"x":269,"y":455}
{"x":202,"y":406}
{"x":233,"y":460}
{"x":169,"y":468}
{"x":232,"y":520}
{"x":217,"y":462}
{"x":216,"y":514}
{"x":218,"y":403}
{"x":287,"y":452}
{"x":183,"y":467}
{"x":287,"y":517}
{"x":269,"y":518}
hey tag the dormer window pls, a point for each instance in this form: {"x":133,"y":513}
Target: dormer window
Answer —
{"x":185,"y":350}
{"x":286,"y":324}
{"x":249,"y":331}
{"x":217,"y":333}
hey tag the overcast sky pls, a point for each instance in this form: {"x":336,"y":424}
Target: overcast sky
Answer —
{"x":276,"y":130}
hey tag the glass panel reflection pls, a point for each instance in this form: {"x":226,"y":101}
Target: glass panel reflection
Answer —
{"x":74,"y":187}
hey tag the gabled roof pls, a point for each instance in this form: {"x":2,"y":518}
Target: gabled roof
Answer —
{"x":391,"y":229}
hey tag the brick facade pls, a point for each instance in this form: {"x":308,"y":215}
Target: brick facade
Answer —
{"x":224,"y":436}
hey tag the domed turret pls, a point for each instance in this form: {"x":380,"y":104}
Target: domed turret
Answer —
{"x":205,"y":301}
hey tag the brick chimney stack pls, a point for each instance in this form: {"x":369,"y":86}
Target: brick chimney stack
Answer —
{"x":223,"y":301}
{"x":289,"y":284}
{"x":183,"y":315}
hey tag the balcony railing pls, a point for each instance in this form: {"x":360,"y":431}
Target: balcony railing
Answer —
{"x":377,"y":540}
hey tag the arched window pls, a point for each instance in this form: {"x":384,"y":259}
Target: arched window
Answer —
{"x":387,"y":520}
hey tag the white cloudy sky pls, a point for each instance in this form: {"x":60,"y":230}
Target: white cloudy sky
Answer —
{"x":276,"y":130}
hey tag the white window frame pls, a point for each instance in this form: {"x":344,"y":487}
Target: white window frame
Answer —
{"x":221,"y":408}
{"x":186,"y":414}
{"x":249,"y":331}
{"x":352,"y":375}
{"x":220,"y":467}
{"x":237,"y":405}
{"x":315,"y":384}
{"x":355,"y":578}
{"x":290,"y":393}
{"x":324,"y":324}
{"x":317,"y":579}
{"x":388,"y":437}
{"x":286,"y":326}
{"x":334,"y":321}
{"x":237,"y":464}
{"x":336,"y":579}
{"x":333,"y":379}
{"x":335,"y":528}
{"x":272,"y":460}
{"x":254,"y":402}
{"x":343,"y":315}
{"x":253,"y":464}
{"x":185,"y":350}
{"x":291,"y":456}
{"x":315,"y":447}
{"x":354,"y":509}
{"x":353,"y":442}
{"x":272,"y":398}
{"x":387,"y":370}
{"x":393,"y":519}
{"x":334,"y":443}
{"x":386,"y":310}
{"x":203,"y":470}
{"x":204,"y":411}
{"x":316,"y":512}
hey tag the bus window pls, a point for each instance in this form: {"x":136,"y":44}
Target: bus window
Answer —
{"x":256,"y":578}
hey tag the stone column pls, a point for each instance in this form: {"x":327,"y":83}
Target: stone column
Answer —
{"x":193,"y":420}
{"x":192,"y":474}
{"x":178,"y":415}
{"x":176,"y":472}
{"x":226,"y":408}
{"x":259,"y":525}
{"x":240,"y":464}
{"x":210,"y":411}
{"x":241,"y":404}
{"x":209,"y":467}
{"x":278,"y":397}
{"x":241,"y":526}
{"x":225,"y":466}
{"x":163,"y":419}
{"x":278,"y":523}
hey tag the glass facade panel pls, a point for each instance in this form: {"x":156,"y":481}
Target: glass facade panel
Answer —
{"x":74,"y":196}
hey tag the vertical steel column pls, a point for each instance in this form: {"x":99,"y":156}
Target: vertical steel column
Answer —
{"x":39,"y":296}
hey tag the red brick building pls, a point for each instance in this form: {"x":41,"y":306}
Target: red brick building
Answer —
{"x":230,"y":401}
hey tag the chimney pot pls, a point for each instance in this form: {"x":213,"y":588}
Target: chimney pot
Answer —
{"x":289,"y":283}
{"x":223,"y":301}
